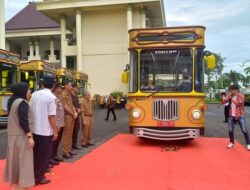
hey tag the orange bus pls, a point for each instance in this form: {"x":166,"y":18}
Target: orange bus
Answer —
{"x":166,"y":99}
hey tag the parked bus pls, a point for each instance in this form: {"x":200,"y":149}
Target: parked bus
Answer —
{"x":8,"y":74}
{"x":81,"y":79}
{"x":64,"y":74}
{"x":33,"y":71}
{"x":166,"y":82}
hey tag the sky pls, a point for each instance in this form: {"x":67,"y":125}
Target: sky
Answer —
{"x":227,"y":25}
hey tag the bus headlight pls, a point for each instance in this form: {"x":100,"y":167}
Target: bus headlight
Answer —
{"x":136,"y":113}
{"x":196,"y":114}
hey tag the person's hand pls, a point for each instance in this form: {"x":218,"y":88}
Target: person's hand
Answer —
{"x":75,"y":115}
{"x":55,"y":135}
{"x":31,"y":142}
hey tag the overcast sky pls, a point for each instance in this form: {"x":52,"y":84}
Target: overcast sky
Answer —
{"x":227,"y":24}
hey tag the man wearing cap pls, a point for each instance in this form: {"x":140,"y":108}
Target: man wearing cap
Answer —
{"x":76,"y":104}
{"x":69,"y":117}
{"x":43,"y":105}
{"x":87,"y":107}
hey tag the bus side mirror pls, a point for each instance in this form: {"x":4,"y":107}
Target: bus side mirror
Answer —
{"x":210,"y":61}
{"x":31,"y":84}
{"x":125,"y":77}
{"x":26,"y":75}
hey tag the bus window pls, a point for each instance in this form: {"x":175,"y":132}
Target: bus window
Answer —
{"x":167,"y":70}
{"x":199,"y":71}
{"x":133,"y":70}
{"x":7,"y":75}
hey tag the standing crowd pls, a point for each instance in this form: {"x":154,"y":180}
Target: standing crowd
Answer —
{"x":35,"y":129}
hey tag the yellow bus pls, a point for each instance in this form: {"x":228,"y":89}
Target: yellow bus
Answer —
{"x":166,"y":82}
{"x":33,"y":71}
{"x":64,"y":74}
{"x":8,"y":74}
{"x":81,"y":79}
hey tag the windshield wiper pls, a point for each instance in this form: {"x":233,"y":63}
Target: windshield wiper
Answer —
{"x":153,"y":93}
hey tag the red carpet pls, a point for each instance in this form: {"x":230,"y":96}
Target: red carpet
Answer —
{"x":127,"y":163}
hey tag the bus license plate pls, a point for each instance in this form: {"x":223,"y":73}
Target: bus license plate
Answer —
{"x":165,"y":124}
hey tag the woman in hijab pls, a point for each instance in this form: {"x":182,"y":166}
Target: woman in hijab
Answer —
{"x":19,"y":169}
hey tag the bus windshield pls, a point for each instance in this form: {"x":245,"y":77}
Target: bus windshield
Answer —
{"x":166,"y":70}
{"x":8,"y":76}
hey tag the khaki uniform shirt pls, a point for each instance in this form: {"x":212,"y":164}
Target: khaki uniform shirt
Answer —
{"x":67,"y":99}
{"x":87,"y":107}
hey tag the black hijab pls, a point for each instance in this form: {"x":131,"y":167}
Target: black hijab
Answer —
{"x":19,"y":90}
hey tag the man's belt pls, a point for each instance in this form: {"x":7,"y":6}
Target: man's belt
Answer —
{"x":88,"y":115}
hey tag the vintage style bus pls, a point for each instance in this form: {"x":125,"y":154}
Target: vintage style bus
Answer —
{"x":81,"y":79}
{"x":33,"y":72}
{"x":8,"y":74}
{"x":166,"y":82}
{"x":64,"y":74}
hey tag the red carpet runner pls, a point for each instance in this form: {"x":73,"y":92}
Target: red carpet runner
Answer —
{"x":127,"y":163}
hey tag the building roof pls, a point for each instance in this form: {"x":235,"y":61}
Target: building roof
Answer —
{"x":30,"y":18}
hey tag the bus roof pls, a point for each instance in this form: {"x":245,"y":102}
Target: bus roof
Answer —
{"x":38,"y":65}
{"x":169,"y":37}
{"x":65,"y":72}
{"x":9,"y":57}
{"x":81,"y":76}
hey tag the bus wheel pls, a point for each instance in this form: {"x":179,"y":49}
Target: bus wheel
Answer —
{"x":131,"y":130}
{"x":202,"y":131}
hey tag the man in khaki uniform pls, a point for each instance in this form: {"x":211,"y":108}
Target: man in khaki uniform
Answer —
{"x":87,"y":107}
{"x":69,"y":117}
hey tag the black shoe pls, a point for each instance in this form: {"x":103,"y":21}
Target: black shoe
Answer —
{"x":58,"y":159}
{"x":106,"y":119}
{"x":53,"y":162}
{"x":76,"y":148}
{"x":67,"y":156}
{"x":84,"y":145}
{"x":90,"y":144}
{"x":72,"y":153}
{"x":48,"y":170}
{"x":43,"y":181}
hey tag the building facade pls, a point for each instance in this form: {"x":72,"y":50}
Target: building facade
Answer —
{"x":91,"y":36}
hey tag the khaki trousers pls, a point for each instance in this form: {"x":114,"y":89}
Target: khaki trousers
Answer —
{"x":87,"y":128}
{"x":67,"y":133}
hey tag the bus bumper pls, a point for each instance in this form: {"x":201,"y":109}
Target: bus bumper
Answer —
{"x":3,"y":121}
{"x":167,"y":134}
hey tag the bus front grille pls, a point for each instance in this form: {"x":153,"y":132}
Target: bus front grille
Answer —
{"x":165,"y":110}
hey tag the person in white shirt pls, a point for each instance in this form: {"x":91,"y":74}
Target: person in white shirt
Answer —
{"x":43,"y":105}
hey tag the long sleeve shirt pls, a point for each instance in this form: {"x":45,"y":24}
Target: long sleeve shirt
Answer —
{"x":23,"y":110}
{"x":238,"y":102}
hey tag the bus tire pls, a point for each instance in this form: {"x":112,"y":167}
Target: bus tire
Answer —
{"x":202,"y":131}
{"x":131,"y":130}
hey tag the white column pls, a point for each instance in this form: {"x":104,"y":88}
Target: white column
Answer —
{"x":2,"y":25}
{"x":143,"y":19}
{"x":7,"y":45}
{"x":129,"y":25}
{"x":63,"y":41}
{"x":79,"y":38}
{"x":52,"y":57}
{"x":31,"y":51}
{"x":37,"y":49}
{"x":129,"y":17}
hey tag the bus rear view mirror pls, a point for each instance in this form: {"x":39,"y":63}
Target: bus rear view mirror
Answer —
{"x":125,"y":77}
{"x":26,"y":75}
{"x":210,"y":61}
